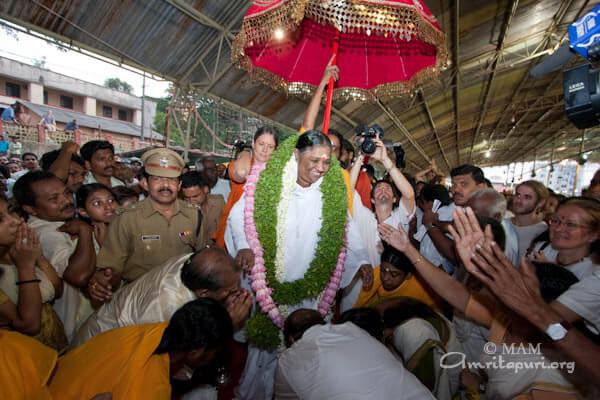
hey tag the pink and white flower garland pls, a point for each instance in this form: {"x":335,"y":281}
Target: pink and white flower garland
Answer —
{"x":258,"y":272}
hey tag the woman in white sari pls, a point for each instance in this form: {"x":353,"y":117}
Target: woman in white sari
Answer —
{"x":311,"y":161}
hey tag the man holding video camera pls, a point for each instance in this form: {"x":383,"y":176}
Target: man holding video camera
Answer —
{"x":386,"y":207}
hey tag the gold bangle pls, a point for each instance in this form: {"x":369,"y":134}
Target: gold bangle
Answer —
{"x":418,"y":260}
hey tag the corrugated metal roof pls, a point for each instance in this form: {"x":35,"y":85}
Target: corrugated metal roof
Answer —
{"x":181,"y":39}
{"x":88,"y":121}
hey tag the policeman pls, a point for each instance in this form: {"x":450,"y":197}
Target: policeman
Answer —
{"x":150,"y":232}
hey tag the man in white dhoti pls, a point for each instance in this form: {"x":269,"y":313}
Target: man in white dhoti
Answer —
{"x":300,"y":216}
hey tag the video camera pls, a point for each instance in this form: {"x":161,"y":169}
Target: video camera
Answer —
{"x":240,"y":145}
{"x":368,"y":146}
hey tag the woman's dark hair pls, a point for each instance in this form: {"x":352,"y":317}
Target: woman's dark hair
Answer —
{"x":266,"y":130}
{"x":86,"y":191}
{"x":201,"y":323}
{"x":408,"y":309}
{"x":310,"y":139}
{"x":431,"y":192}
{"x":365,"y":318}
{"x":397,"y":259}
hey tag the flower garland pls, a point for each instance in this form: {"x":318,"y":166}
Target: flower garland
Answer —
{"x":262,"y":211}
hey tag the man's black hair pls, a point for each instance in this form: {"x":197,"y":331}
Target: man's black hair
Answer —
{"x":91,"y":147}
{"x":348,"y":146}
{"x":4,"y":171}
{"x":193,"y":178}
{"x":497,"y":229}
{"x":468,"y":169}
{"x":23,"y":189}
{"x":298,"y":322}
{"x":408,"y":308}
{"x":48,"y":159}
{"x":28,"y":154}
{"x":123,"y":193}
{"x":365,"y":318}
{"x":431,"y":192}
{"x":395,"y":192}
{"x":200,"y":324}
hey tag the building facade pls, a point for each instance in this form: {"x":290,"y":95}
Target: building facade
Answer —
{"x":100,"y":112}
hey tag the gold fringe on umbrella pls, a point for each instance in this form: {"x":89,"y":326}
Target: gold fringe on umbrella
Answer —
{"x":384,"y":91}
{"x":405,"y":21}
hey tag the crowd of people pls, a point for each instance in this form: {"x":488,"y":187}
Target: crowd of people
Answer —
{"x":147,"y":278}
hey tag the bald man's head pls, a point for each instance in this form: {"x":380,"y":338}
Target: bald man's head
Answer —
{"x":211,"y":272}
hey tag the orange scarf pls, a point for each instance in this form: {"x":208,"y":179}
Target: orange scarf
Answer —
{"x":26,"y":367}
{"x":120,"y":361}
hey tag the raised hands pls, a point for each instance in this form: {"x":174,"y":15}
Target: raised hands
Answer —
{"x":245,"y":259}
{"x":26,"y":249}
{"x":330,"y":71}
{"x":518,"y":288}
{"x":468,"y":236}
{"x":366,"y":274}
{"x":394,"y":237}
{"x":238,"y":305}
{"x":75,"y":227}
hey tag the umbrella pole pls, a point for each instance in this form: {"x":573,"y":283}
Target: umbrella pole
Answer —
{"x":336,"y":44}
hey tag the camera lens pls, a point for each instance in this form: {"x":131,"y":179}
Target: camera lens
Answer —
{"x":368,"y":146}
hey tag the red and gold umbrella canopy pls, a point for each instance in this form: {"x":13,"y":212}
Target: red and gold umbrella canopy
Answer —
{"x":385,"y":48}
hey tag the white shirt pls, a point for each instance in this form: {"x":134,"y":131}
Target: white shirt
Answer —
{"x":428,"y":249}
{"x":114,"y":182}
{"x":526,"y":234}
{"x":343,"y":362}
{"x":581,"y":269}
{"x":583,"y":298}
{"x":223,"y":187}
{"x":367,"y":223}
{"x":511,"y":249}
{"x":153,"y":297}
{"x":73,"y":307}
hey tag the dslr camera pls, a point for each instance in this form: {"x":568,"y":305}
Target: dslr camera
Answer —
{"x":368,"y":133}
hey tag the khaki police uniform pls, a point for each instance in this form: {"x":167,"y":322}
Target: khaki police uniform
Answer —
{"x":140,"y":238}
{"x":212,"y":216}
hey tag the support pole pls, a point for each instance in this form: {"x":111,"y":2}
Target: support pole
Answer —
{"x":336,"y":45}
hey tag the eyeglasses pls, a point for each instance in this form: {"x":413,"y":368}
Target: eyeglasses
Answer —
{"x":555,"y":223}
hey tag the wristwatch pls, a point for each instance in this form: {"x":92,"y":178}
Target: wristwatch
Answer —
{"x":558,"y":331}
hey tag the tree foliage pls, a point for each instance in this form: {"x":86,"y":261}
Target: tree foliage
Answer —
{"x":117,"y":84}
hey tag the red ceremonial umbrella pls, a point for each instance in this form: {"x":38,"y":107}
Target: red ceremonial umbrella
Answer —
{"x":384,"y":48}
